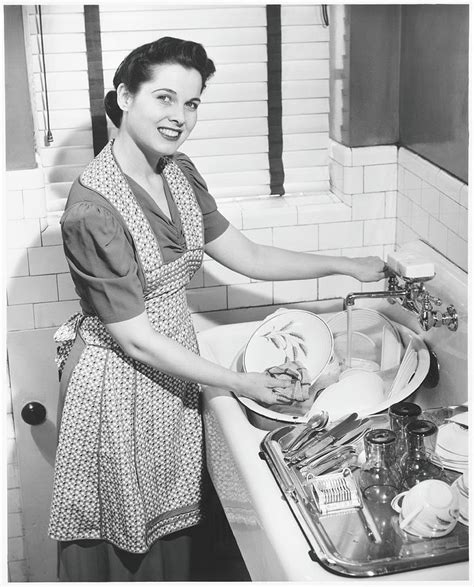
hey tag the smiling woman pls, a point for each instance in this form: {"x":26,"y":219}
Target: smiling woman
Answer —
{"x":129,"y":474}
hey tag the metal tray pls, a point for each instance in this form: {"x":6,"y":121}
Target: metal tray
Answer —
{"x":340,"y":543}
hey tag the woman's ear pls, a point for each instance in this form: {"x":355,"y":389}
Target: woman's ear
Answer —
{"x":123,"y":97}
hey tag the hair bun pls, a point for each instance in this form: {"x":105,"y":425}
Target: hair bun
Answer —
{"x":112,"y":109}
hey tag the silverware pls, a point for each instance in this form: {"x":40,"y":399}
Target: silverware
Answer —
{"x":294,"y":439}
{"x":336,"y":432}
{"x":330,"y":461}
{"x":351,"y":436}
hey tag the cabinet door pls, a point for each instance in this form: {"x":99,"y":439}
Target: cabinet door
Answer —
{"x":34,"y":378}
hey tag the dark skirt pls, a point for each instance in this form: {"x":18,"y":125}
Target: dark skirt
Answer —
{"x":169,"y":559}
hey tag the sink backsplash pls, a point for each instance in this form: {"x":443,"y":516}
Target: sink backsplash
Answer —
{"x":451,"y":348}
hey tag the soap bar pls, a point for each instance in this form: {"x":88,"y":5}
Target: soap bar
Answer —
{"x":410,"y":265}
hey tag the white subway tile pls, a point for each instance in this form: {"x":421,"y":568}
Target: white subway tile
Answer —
{"x":197,"y":279}
{"x":438,"y":235}
{"x":52,"y":314}
{"x":336,"y":175}
{"x":34,"y":203}
{"x":380,"y":231}
{"x":464,"y":196}
{"x":13,"y":476}
{"x":25,"y":179}
{"x":18,"y":571}
{"x":12,"y":456}
{"x":342,"y":197}
{"x":16,"y":550}
{"x":295,"y":291}
{"x":46,"y":260}
{"x":388,"y":249}
{"x":464,"y":224}
{"x":340,"y":153}
{"x":337,"y":286}
{"x":365,"y":206}
{"x":353,"y":180}
{"x":20,"y":317}
{"x":457,"y":250}
{"x":51,"y":235}
{"x":405,"y":234}
{"x":14,"y":500}
{"x":15,"y":525}
{"x":300,"y":201}
{"x":449,"y":185}
{"x":27,"y":290}
{"x":275,"y":212}
{"x":420,"y":221}
{"x":207,"y":298}
{"x":251,"y":294}
{"x":430,"y":199}
{"x":449,"y":213}
{"x":417,"y":165}
{"x":380,"y":178}
{"x":17,"y":262}
{"x":217,"y":274}
{"x":23,"y":233}
{"x":404,"y":208}
{"x":8,"y":398}
{"x":374,"y":155}
{"x":375,"y":250}
{"x":10,"y":427}
{"x":412,"y":187}
{"x":263,"y":236}
{"x":322,"y":213}
{"x":233,"y":213}
{"x":14,"y":205}
{"x":401,"y":179}
{"x":390,"y":204}
{"x":340,"y":234}
{"x":66,"y":290}
{"x":296,"y":238}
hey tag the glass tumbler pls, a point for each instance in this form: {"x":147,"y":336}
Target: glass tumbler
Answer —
{"x":420,"y":461}
{"x":400,"y":415}
{"x":380,"y":476}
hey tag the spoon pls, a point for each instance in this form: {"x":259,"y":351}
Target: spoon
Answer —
{"x":295,"y":437}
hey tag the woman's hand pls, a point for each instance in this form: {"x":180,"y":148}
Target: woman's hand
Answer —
{"x":259,"y":386}
{"x":368,"y":268}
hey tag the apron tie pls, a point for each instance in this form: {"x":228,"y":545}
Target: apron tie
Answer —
{"x":65,"y":337}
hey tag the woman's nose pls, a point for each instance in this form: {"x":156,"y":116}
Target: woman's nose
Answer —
{"x":177,"y":116}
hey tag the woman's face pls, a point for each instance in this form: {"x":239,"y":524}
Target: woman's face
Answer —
{"x":163,"y":112}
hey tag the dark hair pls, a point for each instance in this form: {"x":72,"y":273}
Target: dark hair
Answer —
{"x":136,"y":68}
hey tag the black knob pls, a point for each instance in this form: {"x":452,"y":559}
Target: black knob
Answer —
{"x":33,"y":413}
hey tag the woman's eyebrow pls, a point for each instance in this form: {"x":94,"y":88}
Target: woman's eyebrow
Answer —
{"x":196,"y":98}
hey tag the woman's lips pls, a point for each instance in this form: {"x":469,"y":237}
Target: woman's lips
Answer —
{"x":169,"y":133}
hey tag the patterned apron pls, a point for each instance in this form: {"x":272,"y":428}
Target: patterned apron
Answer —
{"x":129,"y":463}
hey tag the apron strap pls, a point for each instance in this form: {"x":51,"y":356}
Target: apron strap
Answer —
{"x":65,"y":337}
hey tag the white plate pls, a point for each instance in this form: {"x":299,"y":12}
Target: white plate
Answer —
{"x":290,"y":335}
{"x":454,"y":439}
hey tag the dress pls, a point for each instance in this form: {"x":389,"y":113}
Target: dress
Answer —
{"x":129,"y":464}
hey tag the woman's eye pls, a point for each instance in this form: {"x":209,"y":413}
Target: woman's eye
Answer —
{"x":165,"y":99}
{"x":192,"y":105}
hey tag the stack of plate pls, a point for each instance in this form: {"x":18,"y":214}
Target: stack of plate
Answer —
{"x":452,"y":446}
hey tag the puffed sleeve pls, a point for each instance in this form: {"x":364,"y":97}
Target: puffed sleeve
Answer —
{"x":215,"y":223}
{"x":102,"y":262}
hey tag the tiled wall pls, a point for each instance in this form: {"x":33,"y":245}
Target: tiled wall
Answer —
{"x":360,"y":217}
{"x":433,"y":206}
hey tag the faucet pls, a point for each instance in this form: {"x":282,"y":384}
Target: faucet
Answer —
{"x":413,"y":296}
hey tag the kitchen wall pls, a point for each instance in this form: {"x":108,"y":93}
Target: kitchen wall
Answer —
{"x":434,"y":87}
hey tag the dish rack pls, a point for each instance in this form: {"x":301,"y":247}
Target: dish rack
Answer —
{"x":358,"y":539}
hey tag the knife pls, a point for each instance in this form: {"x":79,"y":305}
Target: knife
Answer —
{"x":338,"y":431}
{"x":362,"y":427}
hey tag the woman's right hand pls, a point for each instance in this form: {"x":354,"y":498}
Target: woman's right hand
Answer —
{"x":259,"y":386}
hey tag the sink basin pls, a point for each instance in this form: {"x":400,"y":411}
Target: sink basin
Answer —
{"x":269,"y":537}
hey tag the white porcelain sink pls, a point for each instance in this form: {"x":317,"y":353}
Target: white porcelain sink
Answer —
{"x":269,"y":537}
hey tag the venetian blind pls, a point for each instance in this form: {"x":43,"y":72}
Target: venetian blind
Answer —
{"x":230,"y":142}
{"x":305,"y":99}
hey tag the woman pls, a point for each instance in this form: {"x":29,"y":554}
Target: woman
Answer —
{"x":129,"y":468}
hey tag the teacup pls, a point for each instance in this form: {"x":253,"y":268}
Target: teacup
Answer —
{"x":429,"y":509}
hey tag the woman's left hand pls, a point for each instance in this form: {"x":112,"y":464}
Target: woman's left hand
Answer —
{"x":368,"y":268}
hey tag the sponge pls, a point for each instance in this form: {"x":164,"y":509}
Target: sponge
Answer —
{"x":410,"y":265}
